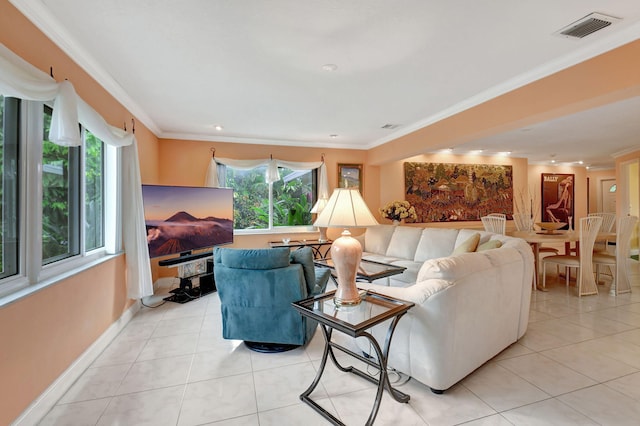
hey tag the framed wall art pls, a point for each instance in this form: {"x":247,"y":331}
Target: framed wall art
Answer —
{"x":442,"y":192}
{"x":350,"y":176}
{"x":557,"y":198}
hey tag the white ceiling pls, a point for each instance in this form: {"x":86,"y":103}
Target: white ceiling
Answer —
{"x":256,"y":67}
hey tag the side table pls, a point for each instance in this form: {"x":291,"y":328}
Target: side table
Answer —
{"x":354,"y":321}
{"x":320,"y":249}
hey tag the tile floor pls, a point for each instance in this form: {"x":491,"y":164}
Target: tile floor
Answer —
{"x":578,"y":364}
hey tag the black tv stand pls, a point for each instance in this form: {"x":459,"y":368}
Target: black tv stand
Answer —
{"x":191,"y":267}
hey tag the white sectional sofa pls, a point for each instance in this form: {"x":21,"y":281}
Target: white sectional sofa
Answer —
{"x":468,"y":306}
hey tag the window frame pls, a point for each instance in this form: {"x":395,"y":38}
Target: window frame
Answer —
{"x":271,"y":229}
{"x":32,"y":275}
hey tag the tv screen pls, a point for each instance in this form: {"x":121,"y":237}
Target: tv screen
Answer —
{"x":180,"y":219}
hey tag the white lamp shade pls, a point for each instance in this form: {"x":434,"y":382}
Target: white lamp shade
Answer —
{"x":319,"y":205}
{"x":345,"y":209}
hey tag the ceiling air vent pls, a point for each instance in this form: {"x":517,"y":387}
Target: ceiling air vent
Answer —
{"x":587,"y":25}
{"x":390,"y":126}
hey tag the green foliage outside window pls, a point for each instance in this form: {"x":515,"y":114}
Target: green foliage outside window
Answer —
{"x":292,"y":198}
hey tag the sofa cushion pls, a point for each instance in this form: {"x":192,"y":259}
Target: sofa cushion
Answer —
{"x":491,"y":244}
{"x":304,"y":256}
{"x":376,"y":239}
{"x":270,"y":258}
{"x":454,"y":268}
{"x":404,"y":242}
{"x":434,"y":243}
{"x":467,"y":246}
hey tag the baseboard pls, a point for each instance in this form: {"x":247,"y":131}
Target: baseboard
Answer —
{"x":45,"y":402}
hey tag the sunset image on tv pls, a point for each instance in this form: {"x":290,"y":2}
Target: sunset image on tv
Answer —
{"x":179,"y":219}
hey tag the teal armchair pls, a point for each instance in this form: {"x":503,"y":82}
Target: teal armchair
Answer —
{"x":256,"y":289}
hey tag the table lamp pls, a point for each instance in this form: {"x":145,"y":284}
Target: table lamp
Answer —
{"x":317,"y":209}
{"x":346,"y":209}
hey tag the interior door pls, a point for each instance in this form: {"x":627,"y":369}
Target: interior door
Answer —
{"x":608,"y":190}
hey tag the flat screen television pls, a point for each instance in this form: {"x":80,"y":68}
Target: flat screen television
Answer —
{"x":180,"y":219}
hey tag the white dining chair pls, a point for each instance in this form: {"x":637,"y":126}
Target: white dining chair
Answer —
{"x":589,"y":228}
{"x":608,"y":222}
{"x":618,"y":262}
{"x":495,"y":224}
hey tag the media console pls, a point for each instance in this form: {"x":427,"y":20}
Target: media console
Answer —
{"x":198,"y":267}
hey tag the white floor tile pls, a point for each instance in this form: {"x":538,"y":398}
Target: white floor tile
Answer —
{"x":546,"y":374}
{"x":354,"y":409}
{"x":170,"y":365}
{"x":502,"y":389}
{"x":282,"y":386}
{"x":97,"y":382}
{"x":548,"y":412}
{"x":604,"y":405}
{"x":76,"y":414}
{"x":217,"y":399}
{"x":156,"y":373}
{"x":156,"y":407}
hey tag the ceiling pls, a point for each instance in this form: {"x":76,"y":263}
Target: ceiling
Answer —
{"x":296,"y":72}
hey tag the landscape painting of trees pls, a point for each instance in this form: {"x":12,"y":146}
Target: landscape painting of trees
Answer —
{"x":442,"y":192}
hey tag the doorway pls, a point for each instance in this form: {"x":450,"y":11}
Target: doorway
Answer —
{"x":608,"y":189}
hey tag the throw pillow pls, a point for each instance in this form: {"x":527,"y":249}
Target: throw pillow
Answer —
{"x":469,"y":245}
{"x":304,"y":257}
{"x":491,"y":244}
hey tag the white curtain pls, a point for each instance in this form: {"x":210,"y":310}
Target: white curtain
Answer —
{"x":213,"y":180}
{"x":20,"y":79}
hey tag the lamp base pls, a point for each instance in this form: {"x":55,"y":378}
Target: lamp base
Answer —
{"x":346,"y":253}
{"x":323,"y":235}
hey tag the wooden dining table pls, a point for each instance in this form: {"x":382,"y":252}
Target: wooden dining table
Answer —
{"x":537,"y":238}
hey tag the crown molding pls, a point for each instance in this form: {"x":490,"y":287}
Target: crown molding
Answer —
{"x":258,"y":141}
{"x":40,"y":15}
{"x":600,"y":47}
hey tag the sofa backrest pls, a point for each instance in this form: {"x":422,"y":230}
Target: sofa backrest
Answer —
{"x":434,"y":243}
{"x":417,"y":244}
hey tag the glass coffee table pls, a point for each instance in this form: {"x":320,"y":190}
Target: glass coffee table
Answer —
{"x":368,"y":270}
{"x":354,"y":321}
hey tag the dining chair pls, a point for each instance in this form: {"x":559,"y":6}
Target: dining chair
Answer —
{"x":618,"y":262}
{"x":502,"y":215}
{"x":495,"y":224}
{"x":589,"y":228}
{"x":608,"y":221}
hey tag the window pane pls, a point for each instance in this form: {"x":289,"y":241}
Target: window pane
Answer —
{"x":293,"y":198}
{"x":60,"y":195}
{"x":94,"y":192}
{"x":9,"y":125}
{"x":250,"y":197}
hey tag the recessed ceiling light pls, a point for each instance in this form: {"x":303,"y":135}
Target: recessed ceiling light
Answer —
{"x":504,"y":153}
{"x":448,"y":150}
{"x":476,"y":151}
{"x":218,"y":127}
{"x":580,"y":162}
{"x":329,"y":67}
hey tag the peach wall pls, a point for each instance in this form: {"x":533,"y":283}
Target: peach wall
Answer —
{"x":42,"y":334}
{"x":595,"y":179}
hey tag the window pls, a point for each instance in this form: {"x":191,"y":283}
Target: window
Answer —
{"x":286,"y":202}
{"x":9,"y":125}
{"x":53,"y":197}
{"x":94,"y":189}
{"x":60,"y":198}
